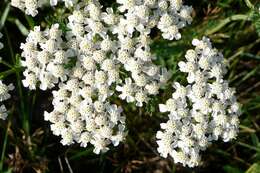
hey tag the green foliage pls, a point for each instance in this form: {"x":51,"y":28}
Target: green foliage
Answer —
{"x":71,"y":63}
{"x":230,"y":169}
{"x":256,"y":20}
{"x":255,"y":168}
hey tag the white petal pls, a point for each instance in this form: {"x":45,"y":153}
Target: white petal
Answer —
{"x":163,"y":108}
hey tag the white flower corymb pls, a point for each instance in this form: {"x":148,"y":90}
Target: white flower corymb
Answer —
{"x":4,"y":95}
{"x":201,"y":112}
{"x":101,"y":54}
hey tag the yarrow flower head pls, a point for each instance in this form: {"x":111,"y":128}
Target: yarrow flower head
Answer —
{"x":28,"y":6}
{"x":78,"y":118}
{"x":168,"y":16}
{"x":4,"y":91}
{"x":45,"y":57}
{"x":111,"y":56}
{"x":4,"y":95}
{"x":203,"y":111}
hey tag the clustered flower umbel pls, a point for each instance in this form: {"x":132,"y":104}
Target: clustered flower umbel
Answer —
{"x":4,"y":91}
{"x":30,"y":7}
{"x":201,"y":112}
{"x":4,"y":95}
{"x":111,"y":56}
{"x":46,"y":56}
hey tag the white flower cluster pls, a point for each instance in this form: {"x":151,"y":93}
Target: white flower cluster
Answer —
{"x":45,"y":58}
{"x":143,"y":15}
{"x":201,"y":112}
{"x":30,"y":7}
{"x":106,"y":49}
{"x":4,"y":95}
{"x":112,"y":57}
{"x":4,"y":91}
{"x":76,"y":117}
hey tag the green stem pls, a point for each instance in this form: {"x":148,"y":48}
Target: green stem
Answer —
{"x":249,"y":4}
{"x":19,"y":25}
{"x":26,"y":125}
{"x":29,"y":21}
{"x":226,"y":21}
{"x":4,"y":147}
{"x":249,"y":146}
{"x":25,"y":118}
{"x":7,"y":73}
{"x":6,"y":64}
{"x":4,"y":16}
{"x":33,"y":100}
{"x":9,"y":45}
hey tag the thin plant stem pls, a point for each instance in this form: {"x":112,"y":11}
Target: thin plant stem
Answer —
{"x":4,"y":146}
{"x":4,"y":16}
{"x":6,"y":64}
{"x":7,"y":73}
{"x":248,"y":146}
{"x":10,"y":46}
{"x":25,"y":118}
{"x":226,"y":21}
{"x":249,"y":4}
{"x":19,"y":25}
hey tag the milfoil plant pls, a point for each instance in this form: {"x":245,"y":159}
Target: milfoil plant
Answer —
{"x":104,"y":54}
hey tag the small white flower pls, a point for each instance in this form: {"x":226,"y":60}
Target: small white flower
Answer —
{"x":141,"y":97}
{"x":120,"y":136}
{"x":152,"y":88}
{"x":28,"y":6}
{"x":67,"y":137}
{"x":4,"y":91}
{"x":3,"y":112}
{"x":127,"y":90}
{"x":4,"y":95}
{"x":99,"y":56}
{"x":109,"y":17}
{"x":94,"y":11}
{"x":99,"y":144}
{"x":84,"y":139}
{"x":57,"y":128}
